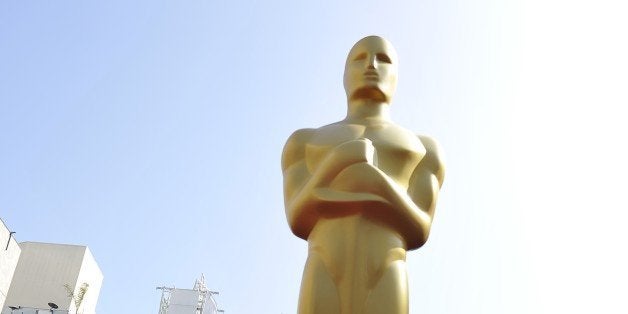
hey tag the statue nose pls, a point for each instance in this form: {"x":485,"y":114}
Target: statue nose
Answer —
{"x":372,"y":64}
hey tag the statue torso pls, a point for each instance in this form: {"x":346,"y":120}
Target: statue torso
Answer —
{"x":340,"y":239}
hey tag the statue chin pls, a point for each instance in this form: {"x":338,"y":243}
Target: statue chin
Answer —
{"x":371,"y":93}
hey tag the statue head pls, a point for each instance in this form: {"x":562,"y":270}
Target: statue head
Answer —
{"x":371,"y":70}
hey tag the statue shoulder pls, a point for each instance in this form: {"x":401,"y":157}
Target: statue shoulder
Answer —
{"x":431,"y":145}
{"x":433,"y":159}
{"x":294,"y":150}
{"x":301,"y":135}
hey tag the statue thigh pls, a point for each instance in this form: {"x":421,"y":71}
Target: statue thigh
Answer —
{"x":319,"y":294}
{"x":390,"y":294}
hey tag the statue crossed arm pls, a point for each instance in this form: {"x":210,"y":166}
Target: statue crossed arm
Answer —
{"x":308,"y":195}
{"x":361,"y":191}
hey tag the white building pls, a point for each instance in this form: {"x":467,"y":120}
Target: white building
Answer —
{"x":42,"y":273}
{"x":9,"y":255}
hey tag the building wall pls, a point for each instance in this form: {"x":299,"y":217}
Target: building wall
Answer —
{"x":90,"y":273}
{"x":43,"y":270}
{"x":9,"y":256}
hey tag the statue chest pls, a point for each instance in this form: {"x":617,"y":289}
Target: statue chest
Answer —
{"x":397,"y":151}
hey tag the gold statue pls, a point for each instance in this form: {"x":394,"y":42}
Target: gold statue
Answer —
{"x":362,"y":192}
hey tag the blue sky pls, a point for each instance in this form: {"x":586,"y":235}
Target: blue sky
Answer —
{"x":151,"y":131}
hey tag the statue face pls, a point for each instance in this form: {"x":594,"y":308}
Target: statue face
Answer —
{"x":371,"y":70}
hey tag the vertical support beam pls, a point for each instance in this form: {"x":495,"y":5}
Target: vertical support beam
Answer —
{"x":9,"y":241}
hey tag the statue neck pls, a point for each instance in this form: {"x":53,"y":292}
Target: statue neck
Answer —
{"x":368,"y":110}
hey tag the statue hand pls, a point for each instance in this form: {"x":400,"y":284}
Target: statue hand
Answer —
{"x":354,"y":151}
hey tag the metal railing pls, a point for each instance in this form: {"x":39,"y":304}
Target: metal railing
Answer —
{"x":31,"y":310}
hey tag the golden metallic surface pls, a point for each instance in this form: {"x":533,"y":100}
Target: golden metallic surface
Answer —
{"x":361,"y":191}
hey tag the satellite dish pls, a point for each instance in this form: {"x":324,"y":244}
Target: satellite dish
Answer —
{"x":52,"y":305}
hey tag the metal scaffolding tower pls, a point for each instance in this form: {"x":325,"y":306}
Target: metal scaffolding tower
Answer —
{"x":198,"y":300}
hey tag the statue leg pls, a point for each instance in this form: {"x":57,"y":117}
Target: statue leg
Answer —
{"x":390,"y":294}
{"x":319,"y":294}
